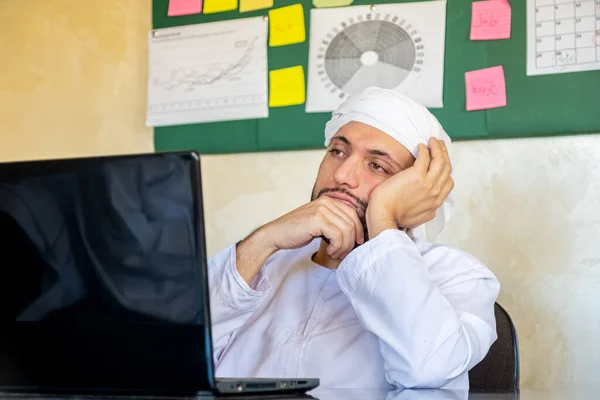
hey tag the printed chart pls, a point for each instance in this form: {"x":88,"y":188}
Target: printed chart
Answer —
{"x":394,"y":46}
{"x":208,"y":72}
{"x":562,"y":36}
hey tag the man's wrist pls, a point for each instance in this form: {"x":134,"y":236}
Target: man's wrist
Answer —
{"x":262,"y":241}
{"x":378,"y":226}
{"x":253,"y":252}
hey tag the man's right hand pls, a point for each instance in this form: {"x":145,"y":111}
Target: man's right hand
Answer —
{"x":332,"y":219}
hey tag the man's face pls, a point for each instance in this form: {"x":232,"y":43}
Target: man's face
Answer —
{"x":358,"y":159}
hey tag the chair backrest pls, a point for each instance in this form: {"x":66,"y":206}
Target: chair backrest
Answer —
{"x":499,"y":370}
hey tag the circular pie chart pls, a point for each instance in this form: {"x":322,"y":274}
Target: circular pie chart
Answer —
{"x":370,"y":53}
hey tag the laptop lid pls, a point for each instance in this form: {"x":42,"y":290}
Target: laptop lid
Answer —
{"x":103,"y":275}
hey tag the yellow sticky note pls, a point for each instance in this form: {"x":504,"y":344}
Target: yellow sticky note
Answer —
{"x":286,"y":87}
{"x":332,"y":3}
{"x":286,"y":25}
{"x":251,"y":5}
{"x":215,"y":6}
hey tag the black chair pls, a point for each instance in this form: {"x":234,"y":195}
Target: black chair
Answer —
{"x":499,"y":370}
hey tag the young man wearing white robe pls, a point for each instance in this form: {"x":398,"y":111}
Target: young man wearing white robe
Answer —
{"x":348,"y":287}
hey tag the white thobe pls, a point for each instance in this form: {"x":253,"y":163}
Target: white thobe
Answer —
{"x":394,"y":314}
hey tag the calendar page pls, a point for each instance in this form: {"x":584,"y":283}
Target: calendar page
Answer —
{"x":562,"y":36}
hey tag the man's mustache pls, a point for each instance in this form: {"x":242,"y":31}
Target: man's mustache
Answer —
{"x":358,"y":201}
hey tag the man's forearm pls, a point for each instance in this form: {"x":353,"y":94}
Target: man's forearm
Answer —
{"x":252,"y":253}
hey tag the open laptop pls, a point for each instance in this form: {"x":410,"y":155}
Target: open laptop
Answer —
{"x":103,"y":279}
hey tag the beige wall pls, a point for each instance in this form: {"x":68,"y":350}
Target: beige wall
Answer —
{"x":530,"y":209}
{"x":73,"y":78}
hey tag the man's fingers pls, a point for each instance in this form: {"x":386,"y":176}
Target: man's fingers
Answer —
{"x":443,"y":181}
{"x":347,"y":230}
{"x":438,"y":162}
{"x":333,"y":234}
{"x":441,"y":168}
{"x":344,"y":229}
{"x":445,"y":191}
{"x":446,"y":154}
{"x":423,"y":159}
{"x":430,"y":213}
{"x":444,"y":147}
{"x":351,"y":215}
{"x":435,"y":148}
{"x":446,"y":178}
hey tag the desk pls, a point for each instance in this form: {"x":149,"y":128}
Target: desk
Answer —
{"x":365,"y":394}
{"x":356,"y":394}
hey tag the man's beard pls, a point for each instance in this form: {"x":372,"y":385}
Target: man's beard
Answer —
{"x":361,"y":212}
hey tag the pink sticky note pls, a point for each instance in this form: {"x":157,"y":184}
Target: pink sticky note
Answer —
{"x":490,"y":20}
{"x":485,"y":88}
{"x":184,"y":7}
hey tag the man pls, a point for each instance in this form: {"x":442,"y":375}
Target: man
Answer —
{"x":345,"y":288}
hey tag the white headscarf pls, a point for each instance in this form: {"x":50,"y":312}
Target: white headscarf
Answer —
{"x":405,"y":120}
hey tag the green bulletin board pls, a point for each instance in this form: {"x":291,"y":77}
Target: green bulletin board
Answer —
{"x":537,"y":105}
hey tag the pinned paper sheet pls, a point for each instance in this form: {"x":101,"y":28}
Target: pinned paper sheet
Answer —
{"x":286,"y":87}
{"x":485,"y":88}
{"x":184,"y":7}
{"x":331,"y":3}
{"x":252,"y":5}
{"x":286,"y":25}
{"x":215,"y":6}
{"x":490,"y":20}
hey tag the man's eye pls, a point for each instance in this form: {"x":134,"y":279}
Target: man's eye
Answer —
{"x":336,"y":152}
{"x":378,"y":167}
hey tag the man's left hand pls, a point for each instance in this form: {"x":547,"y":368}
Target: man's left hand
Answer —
{"x":411,"y":197}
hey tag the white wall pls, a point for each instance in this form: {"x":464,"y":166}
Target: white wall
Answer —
{"x":530,"y":209}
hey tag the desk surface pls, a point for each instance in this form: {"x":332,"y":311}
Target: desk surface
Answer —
{"x":362,"y":394}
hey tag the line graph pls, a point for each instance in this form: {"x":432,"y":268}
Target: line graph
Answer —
{"x":192,"y":78}
{"x":208,"y":72}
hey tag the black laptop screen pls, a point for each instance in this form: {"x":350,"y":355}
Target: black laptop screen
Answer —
{"x":97,"y":257}
{"x":110,"y":239}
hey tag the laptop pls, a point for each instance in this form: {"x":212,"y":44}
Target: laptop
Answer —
{"x":103,"y":280}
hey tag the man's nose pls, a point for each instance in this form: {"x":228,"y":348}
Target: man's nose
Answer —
{"x":348,"y":173}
